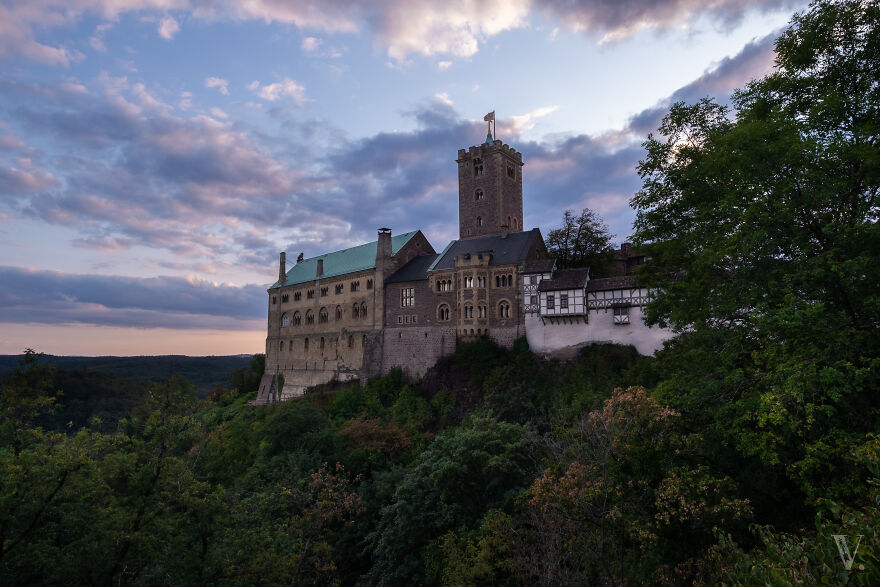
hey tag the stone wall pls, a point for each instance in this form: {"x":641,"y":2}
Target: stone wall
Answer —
{"x":416,"y":350}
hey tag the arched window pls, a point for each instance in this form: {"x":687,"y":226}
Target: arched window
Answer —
{"x":443,"y":313}
{"x":504,"y":310}
{"x":468,"y":311}
{"x":339,"y":312}
{"x":482,"y":311}
{"x":281,"y":347}
{"x":503,"y":281}
{"x":497,"y":281}
{"x":322,"y":343}
{"x":510,"y":280}
{"x":478,"y":195}
{"x":364,"y":310}
{"x":297,"y":318}
{"x":305,"y":344}
{"x":479,"y":221}
{"x":290,"y":346}
{"x":364,"y":341}
{"x":355,"y":310}
{"x":310,"y":317}
{"x":478,"y":167}
{"x":350,"y":341}
{"x":323,"y":316}
{"x":514,"y":223}
{"x":285,"y":320}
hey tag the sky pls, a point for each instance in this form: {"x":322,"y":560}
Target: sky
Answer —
{"x":157,"y":155}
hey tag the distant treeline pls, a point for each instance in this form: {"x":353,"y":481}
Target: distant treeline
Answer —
{"x":205,"y":373}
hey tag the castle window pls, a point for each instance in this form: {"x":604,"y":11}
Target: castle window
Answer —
{"x":355,"y":286}
{"x":363,"y":310}
{"x":297,"y":296}
{"x":443,"y":313}
{"x":322,"y":316}
{"x":621,"y":316}
{"x":481,"y":281}
{"x":497,"y":281}
{"x":350,"y":341}
{"x":290,"y":346}
{"x":533,"y":300}
{"x":511,"y":173}
{"x":406,"y":319}
{"x":533,"y":279}
{"x":469,"y":282}
{"x":281,"y":346}
{"x":310,"y":317}
{"x":322,"y":343}
{"x":369,"y":284}
{"x":551,"y":302}
{"x":324,"y":291}
{"x":510,"y":280}
{"x":355,"y":310}
{"x":563,"y":301}
{"x":468,"y":311}
{"x":407,"y":297}
{"x":305,"y":344}
{"x":285,"y":298}
{"x":285,"y":320}
{"x":400,"y":319}
{"x":481,"y":311}
{"x":274,"y":300}
{"x":478,"y":195}
{"x":439,"y":285}
{"x":364,"y":341}
{"x":415,"y":318}
{"x":479,"y":221}
{"x":297,"y":318}
{"x":504,"y":310}
{"x":310,"y":294}
{"x":478,"y":167}
{"x":515,"y":224}
{"x":338,"y":289}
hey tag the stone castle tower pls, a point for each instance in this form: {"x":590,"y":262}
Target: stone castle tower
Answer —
{"x":490,"y":199}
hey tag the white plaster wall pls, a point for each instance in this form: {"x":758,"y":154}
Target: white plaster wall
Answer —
{"x":600,"y":328}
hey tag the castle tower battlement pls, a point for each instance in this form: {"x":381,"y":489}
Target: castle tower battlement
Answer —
{"x":489,"y":190}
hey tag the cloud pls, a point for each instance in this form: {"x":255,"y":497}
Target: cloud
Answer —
{"x":51,"y":297}
{"x":285,"y":88}
{"x":614,"y":20}
{"x":219,"y":83}
{"x":310,"y":44}
{"x":444,"y":65}
{"x":168,"y":27}
{"x":454,"y":28}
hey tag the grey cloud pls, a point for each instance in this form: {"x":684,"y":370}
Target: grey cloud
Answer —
{"x":51,"y":297}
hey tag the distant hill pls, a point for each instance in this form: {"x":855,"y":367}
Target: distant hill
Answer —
{"x":203,"y":372}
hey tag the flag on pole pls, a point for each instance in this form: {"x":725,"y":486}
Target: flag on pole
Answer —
{"x":490,"y":116}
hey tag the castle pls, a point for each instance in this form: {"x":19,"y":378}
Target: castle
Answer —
{"x":396,"y":302}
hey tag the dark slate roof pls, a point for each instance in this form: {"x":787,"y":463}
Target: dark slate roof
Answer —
{"x":566,"y":279}
{"x":504,"y":251}
{"x":415,"y":270}
{"x":341,"y":262}
{"x":612,"y":283}
{"x":539,"y":266}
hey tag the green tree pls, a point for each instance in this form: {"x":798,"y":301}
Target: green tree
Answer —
{"x":767,"y":253}
{"x":583,"y":240}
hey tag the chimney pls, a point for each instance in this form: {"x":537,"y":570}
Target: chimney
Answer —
{"x":282,"y":269}
{"x":299,"y":258}
{"x":383,"y":251}
{"x":320,"y":270}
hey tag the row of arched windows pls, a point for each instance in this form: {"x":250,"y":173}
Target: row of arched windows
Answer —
{"x":500,"y":281}
{"x":444,"y":312}
{"x":322,"y":343}
{"x":358,"y":310}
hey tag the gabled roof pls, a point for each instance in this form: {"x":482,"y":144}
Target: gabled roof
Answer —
{"x":504,"y":251}
{"x":539,"y":266}
{"x":566,"y":279}
{"x":623,"y":281}
{"x":357,"y":258}
{"x":415,"y":270}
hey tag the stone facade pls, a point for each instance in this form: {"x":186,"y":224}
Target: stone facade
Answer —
{"x":489,"y":190}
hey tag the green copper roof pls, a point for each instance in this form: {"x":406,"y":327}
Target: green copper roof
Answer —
{"x":488,"y":138}
{"x":357,"y":258}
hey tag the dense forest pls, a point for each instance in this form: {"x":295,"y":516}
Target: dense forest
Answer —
{"x":744,"y":452}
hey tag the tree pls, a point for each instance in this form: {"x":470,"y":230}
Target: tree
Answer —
{"x":766,"y":243}
{"x":581,"y":241}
